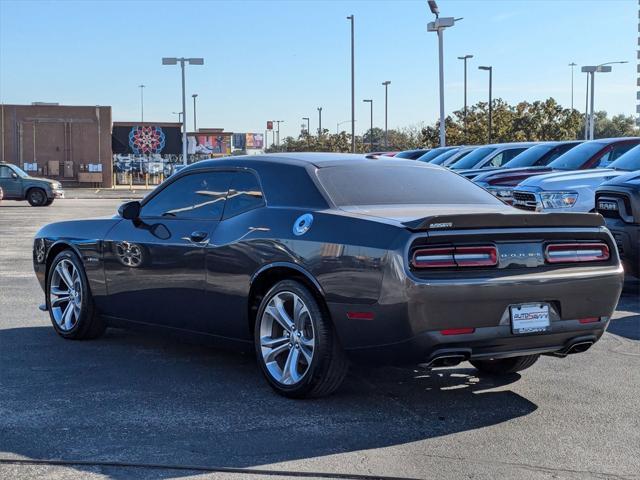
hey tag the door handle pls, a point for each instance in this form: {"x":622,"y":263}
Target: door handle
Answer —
{"x":198,"y":236}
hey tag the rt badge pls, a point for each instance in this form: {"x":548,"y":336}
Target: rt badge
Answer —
{"x":302,"y":224}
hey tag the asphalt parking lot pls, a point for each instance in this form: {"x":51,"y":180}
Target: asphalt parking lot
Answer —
{"x":120,"y":404}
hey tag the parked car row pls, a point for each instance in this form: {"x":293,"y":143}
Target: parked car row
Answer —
{"x":561,"y":177}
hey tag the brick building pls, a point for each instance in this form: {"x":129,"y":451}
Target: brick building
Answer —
{"x":71,"y":144}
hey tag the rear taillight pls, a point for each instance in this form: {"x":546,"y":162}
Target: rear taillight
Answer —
{"x":576,"y":252}
{"x":441,"y":257}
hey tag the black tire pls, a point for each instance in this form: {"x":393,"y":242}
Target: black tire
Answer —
{"x":88,"y":324}
{"x":36,"y":197}
{"x":48,"y":202}
{"x":505,"y":366}
{"x":329,"y":365}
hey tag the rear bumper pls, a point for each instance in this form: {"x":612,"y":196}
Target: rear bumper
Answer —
{"x":484,"y":343}
{"x":411,"y":313}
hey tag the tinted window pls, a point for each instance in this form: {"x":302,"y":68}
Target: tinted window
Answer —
{"x":617,"y":152}
{"x":198,"y":195}
{"x":529,"y":157}
{"x":473,"y":158}
{"x":629,"y":161}
{"x":578,"y":156}
{"x":400,"y":185}
{"x":244,"y":194}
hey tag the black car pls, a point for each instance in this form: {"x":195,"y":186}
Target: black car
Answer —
{"x":411,"y":154}
{"x":315,"y":260}
{"x":618,"y":200}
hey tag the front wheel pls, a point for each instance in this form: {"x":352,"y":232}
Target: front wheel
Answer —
{"x":69,"y":300}
{"x":505,"y":366}
{"x":297,"y":348}
{"x":36,"y":197}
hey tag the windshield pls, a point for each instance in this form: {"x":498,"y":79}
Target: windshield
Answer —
{"x":400,"y":185}
{"x":433,"y":153}
{"x":441,"y":159}
{"x":629,"y":161}
{"x":471,"y":160}
{"x":578,"y":156}
{"x":19,"y":171}
{"x":529,"y":157}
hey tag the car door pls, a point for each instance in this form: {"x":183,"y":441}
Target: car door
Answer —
{"x":154,"y":266}
{"x":10,"y":182}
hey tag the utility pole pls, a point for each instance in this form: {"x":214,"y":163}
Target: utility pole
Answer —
{"x":386,"y":130}
{"x":572,"y":65}
{"x":439,"y":26}
{"x":195,"y":95}
{"x":319,"y":121}
{"x":353,"y":88}
{"x":141,"y":103}
{"x":465,"y":58}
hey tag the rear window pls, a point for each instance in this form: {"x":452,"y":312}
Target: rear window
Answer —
{"x":350,"y":185}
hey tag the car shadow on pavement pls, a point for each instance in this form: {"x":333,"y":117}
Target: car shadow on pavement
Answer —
{"x":140,"y":398}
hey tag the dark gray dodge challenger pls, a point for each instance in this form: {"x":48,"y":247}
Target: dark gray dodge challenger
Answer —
{"x":316,"y":260}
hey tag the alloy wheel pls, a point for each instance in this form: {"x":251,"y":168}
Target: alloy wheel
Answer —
{"x":65,"y":295}
{"x":287,"y":338}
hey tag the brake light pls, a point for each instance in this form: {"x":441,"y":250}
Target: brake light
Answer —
{"x":576,"y":252}
{"x":439,"y":257}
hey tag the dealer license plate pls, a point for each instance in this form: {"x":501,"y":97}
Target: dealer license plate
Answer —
{"x":529,"y":318}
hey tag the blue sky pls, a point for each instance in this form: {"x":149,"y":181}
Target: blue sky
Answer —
{"x":282,"y":59}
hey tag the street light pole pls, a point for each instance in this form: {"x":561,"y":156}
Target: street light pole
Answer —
{"x":353,"y":88}
{"x":438,"y":26}
{"x":464,"y":59}
{"x":308,"y":124}
{"x":591,"y":70}
{"x":572,"y":64}
{"x":490,"y":70}
{"x":195,"y":95}
{"x":179,"y":116}
{"x":141,"y":103}
{"x":386,"y":85}
{"x":183,"y":61}
{"x":370,"y":102}
{"x":319,"y":121}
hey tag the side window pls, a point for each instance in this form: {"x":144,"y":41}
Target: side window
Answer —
{"x":495,"y":161}
{"x":244,"y":194}
{"x":604,"y":160}
{"x":5,"y":172}
{"x":509,"y":154}
{"x":198,"y":195}
{"x":619,"y":150}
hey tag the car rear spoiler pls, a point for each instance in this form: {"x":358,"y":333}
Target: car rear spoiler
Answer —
{"x":504,"y":220}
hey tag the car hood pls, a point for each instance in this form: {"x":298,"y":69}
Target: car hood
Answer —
{"x":628,"y":179}
{"x":473,"y":172}
{"x":572,"y":179}
{"x":510,"y":176}
{"x":38,"y":179}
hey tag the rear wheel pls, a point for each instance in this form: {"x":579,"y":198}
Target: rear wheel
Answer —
{"x":36,"y":197}
{"x":69,"y":300}
{"x":296,"y":346}
{"x":505,"y":366}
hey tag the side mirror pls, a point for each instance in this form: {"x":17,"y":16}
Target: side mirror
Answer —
{"x":129,"y":210}
{"x":14,"y":175}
